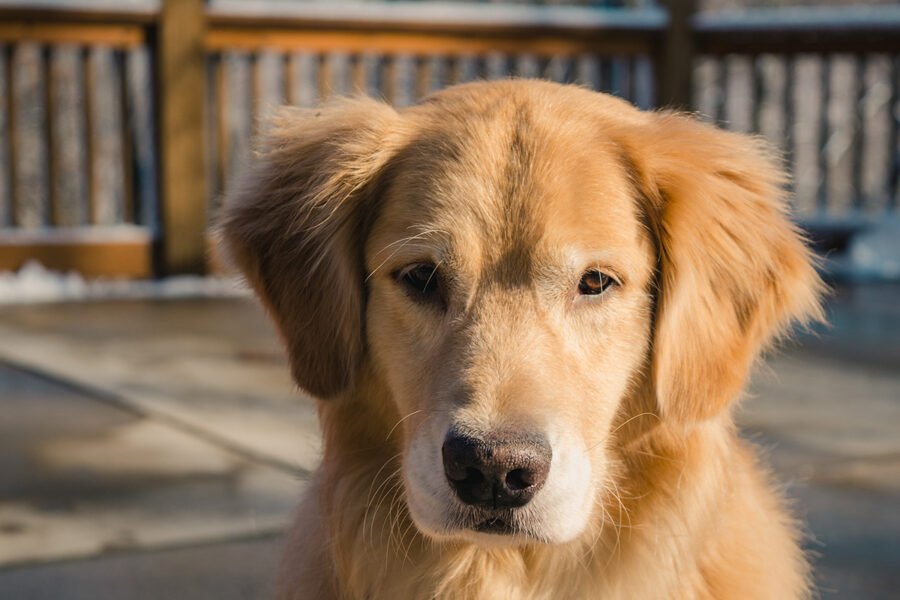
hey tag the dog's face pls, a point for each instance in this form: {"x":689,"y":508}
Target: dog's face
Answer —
{"x":515,"y":263}
{"x":508,"y":311}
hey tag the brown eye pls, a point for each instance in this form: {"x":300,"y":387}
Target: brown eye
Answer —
{"x":422,"y":282}
{"x":594,"y":282}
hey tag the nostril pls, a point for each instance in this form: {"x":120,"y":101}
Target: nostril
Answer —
{"x":474,"y":476}
{"x":519,"y":479}
{"x":470,"y":476}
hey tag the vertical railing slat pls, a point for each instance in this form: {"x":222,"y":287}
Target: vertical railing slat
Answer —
{"x":143,"y":102}
{"x":33,"y":207}
{"x":269,"y":87}
{"x":721,"y":83}
{"x":789,"y":113}
{"x":893,"y":154}
{"x":357,"y":74}
{"x":287,"y":73}
{"x":757,"y":85}
{"x":858,"y":143}
{"x":8,"y":202}
{"x":824,"y":133}
{"x":422,"y":68}
{"x":370,"y":63}
{"x":586,"y":71}
{"x":388,"y":72}
{"x":323,"y":72}
{"x":620,"y":76}
{"x":404,"y":80}
{"x":605,"y":79}
{"x":255,"y":94}
{"x":50,"y":138}
{"x":223,"y":142}
{"x":466,"y":68}
{"x":630,"y":90}
{"x":527,"y":66}
{"x":496,"y":65}
{"x":437,"y":73}
{"x":239,"y":108}
{"x":107,"y":141}
{"x":68,"y":126}
{"x":127,"y":140}
{"x":341,"y":75}
{"x":306,"y":67}
{"x":212,"y":116}
{"x":645,"y":92}
{"x":87,"y":68}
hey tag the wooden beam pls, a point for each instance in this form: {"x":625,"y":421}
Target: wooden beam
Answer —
{"x":723,"y":41}
{"x":136,"y":12}
{"x":494,"y":20}
{"x":815,"y":30}
{"x":11,"y":135}
{"x":180,"y":87}
{"x":93,"y":253}
{"x":394,"y":42}
{"x":119,"y":36}
{"x":675,"y":58}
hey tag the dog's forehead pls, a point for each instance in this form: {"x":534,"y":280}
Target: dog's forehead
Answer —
{"x":501,"y":185}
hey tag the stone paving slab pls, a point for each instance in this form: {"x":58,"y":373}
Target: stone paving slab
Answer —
{"x":830,"y":423}
{"x":855,"y":549}
{"x":214,"y":367}
{"x":83,"y":478}
{"x":233,"y":570}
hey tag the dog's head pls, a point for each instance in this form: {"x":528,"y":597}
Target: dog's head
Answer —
{"x":519,"y":266}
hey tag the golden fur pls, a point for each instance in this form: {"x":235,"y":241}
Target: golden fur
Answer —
{"x":513,"y":189}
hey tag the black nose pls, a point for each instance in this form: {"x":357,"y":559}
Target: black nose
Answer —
{"x":498,"y":472}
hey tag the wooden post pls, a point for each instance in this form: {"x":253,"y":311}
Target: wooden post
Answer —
{"x":675,"y":58}
{"x":180,"y":81}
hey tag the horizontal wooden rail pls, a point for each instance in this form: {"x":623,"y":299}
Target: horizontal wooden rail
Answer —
{"x":116,"y":35}
{"x":425,"y":17}
{"x":137,"y":12}
{"x":854,"y":30}
{"x":95,"y":252}
{"x":253,"y":39}
{"x":421,"y":28}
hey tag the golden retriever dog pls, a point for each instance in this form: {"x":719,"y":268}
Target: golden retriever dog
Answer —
{"x":526,"y":310}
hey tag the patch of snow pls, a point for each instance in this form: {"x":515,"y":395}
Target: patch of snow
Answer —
{"x":874,"y":253}
{"x":35,"y":284}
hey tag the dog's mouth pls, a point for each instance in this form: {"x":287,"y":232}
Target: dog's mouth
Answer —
{"x":495,"y":526}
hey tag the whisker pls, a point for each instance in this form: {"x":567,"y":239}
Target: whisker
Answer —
{"x":397,"y":424}
{"x":643,"y":414}
{"x":373,"y":493}
{"x":402,"y":243}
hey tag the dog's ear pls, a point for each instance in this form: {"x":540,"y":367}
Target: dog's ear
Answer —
{"x":294,"y":226}
{"x":734,"y":272}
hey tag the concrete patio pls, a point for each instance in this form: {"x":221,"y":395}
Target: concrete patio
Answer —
{"x":155,"y":449}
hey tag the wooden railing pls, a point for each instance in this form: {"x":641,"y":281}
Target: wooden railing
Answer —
{"x":824,"y":85}
{"x":257,"y":61}
{"x":133,"y":121}
{"x":77,"y":161}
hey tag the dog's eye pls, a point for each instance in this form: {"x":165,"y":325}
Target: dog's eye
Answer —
{"x":422,"y":281}
{"x":595,"y":282}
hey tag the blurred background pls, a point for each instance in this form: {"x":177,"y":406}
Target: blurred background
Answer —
{"x":151,"y":442}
